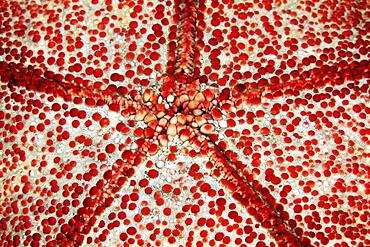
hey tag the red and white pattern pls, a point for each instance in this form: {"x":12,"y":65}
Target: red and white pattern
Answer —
{"x":184,"y":123}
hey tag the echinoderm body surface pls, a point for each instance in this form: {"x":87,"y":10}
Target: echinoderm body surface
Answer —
{"x":184,"y":123}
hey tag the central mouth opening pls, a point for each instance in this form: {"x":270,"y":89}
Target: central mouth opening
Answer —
{"x":180,"y":109}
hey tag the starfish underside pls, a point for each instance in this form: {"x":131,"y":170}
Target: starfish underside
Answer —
{"x":184,"y":123}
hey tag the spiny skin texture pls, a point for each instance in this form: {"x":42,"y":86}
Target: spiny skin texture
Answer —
{"x":184,"y":123}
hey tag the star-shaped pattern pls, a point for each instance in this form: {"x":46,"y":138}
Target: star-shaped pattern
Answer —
{"x":184,"y":123}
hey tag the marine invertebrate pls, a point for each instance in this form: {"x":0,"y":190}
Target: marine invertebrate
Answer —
{"x":185,"y":123}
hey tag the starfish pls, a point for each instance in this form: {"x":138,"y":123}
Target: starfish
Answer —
{"x":192,"y":123}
